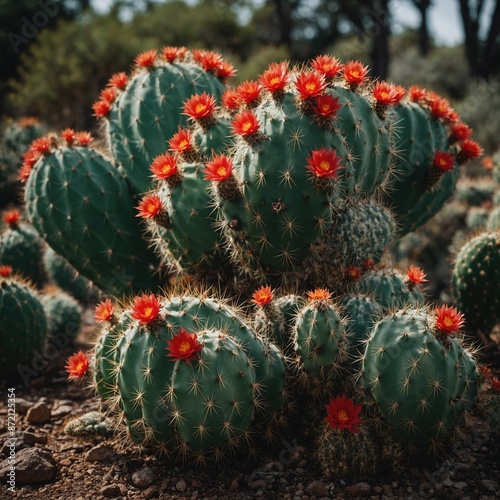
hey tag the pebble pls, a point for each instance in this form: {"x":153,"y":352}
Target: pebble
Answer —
{"x":99,"y":453}
{"x":489,"y":484}
{"x":110,"y":490}
{"x":317,"y":488}
{"x":143,"y":477}
{"x":358,"y":489}
{"x":259,"y":483}
{"x":181,"y":485}
{"x":234,"y":485}
{"x":32,"y":438}
{"x":62,"y":411}
{"x":39,"y":413}
{"x":33,"y":465}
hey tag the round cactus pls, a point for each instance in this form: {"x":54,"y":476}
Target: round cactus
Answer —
{"x":63,"y":313}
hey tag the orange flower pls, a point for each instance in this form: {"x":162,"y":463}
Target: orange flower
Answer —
{"x":77,"y":365}
{"x":387,"y":93}
{"x":248,"y":92}
{"x":225,"y":71}
{"x":11,"y":217}
{"x":108,"y":94}
{"x":275,"y":77}
{"x":184,"y":346}
{"x":5,"y":271}
{"x":149,"y":207}
{"x":219,"y":169}
{"x":415,"y":275}
{"x":353,"y":272}
{"x":470,"y":150}
{"x":262,"y":296}
{"x":181,"y":141}
{"x":460,"y":131}
{"x":101,"y":108}
{"x":488,"y":163}
{"x":145,"y":308}
{"x":24,"y":171}
{"x":208,"y":59}
{"x":319,"y":294}
{"x":324,"y":162}
{"x":83,"y":138}
{"x":68,"y":135}
{"x":41,"y":145}
{"x":118,"y":80}
{"x":443,"y":161}
{"x":200,"y":106}
{"x":104,"y":311}
{"x":449,"y":320}
{"x":326,"y":106}
{"x":343,"y":414}
{"x":440,"y":107}
{"x":495,"y":383}
{"x":172,"y":53}
{"x":146,"y":59}
{"x":230,"y":99}
{"x":245,"y":123}
{"x":310,"y":84}
{"x":417,"y":94}
{"x":327,"y":65}
{"x":164,"y":166}
{"x":355,"y":73}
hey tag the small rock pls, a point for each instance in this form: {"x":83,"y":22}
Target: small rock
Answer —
{"x":22,"y":406}
{"x":39,"y":413}
{"x":181,"y":485}
{"x":143,"y":477}
{"x":317,"y":488}
{"x":377,"y":490}
{"x":489,"y":484}
{"x":460,"y":485}
{"x":33,"y":465}
{"x":32,"y":438}
{"x":195,"y":483}
{"x":259,"y":483}
{"x":234,"y":485}
{"x":358,"y":489}
{"x":110,"y":490}
{"x":99,"y":453}
{"x":65,"y":462}
{"x":62,"y":411}
{"x":151,"y":492}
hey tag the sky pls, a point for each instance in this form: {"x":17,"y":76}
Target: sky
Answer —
{"x":444,"y":18}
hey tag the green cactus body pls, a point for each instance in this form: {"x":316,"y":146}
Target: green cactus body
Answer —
{"x":21,"y":248}
{"x":390,"y":288}
{"x":215,"y":139}
{"x":362,"y":313}
{"x":23,"y":329}
{"x":476,"y":218}
{"x":418,"y":137}
{"x":493,"y":221}
{"x":82,"y":207}
{"x":422,"y":384}
{"x":89,"y":424}
{"x":64,"y":314}
{"x":476,"y":282}
{"x":320,"y":339}
{"x":475,"y":192}
{"x":149,"y":111}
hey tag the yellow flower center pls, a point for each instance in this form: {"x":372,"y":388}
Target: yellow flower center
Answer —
{"x":184,"y":347}
{"x":310,"y":86}
{"x":79,"y":366}
{"x":147,"y":311}
{"x":166,"y":168}
{"x":385,"y":95}
{"x":183,"y":144}
{"x":324,"y":165}
{"x":151,"y":208}
{"x":325,"y":108}
{"x":275,"y":80}
{"x":246,"y":126}
{"x":342,"y":415}
{"x":200,"y":108}
{"x":354,"y":72}
{"x":448,"y":321}
{"x":442,"y":162}
{"x":222,"y":171}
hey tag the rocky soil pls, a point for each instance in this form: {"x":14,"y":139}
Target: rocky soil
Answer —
{"x":51,"y":465}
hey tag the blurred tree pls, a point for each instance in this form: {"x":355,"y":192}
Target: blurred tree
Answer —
{"x":423,"y":30}
{"x":483,"y":55}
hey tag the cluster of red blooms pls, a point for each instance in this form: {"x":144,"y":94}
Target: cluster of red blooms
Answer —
{"x":488,"y":375}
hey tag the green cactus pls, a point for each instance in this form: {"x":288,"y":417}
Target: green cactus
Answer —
{"x":476,"y":218}
{"x":23,"y":329}
{"x":476,"y":282}
{"x":475,"y":191}
{"x":423,"y":379}
{"x":86,"y":214}
{"x":91,"y":424}
{"x":493,"y":220}
{"x":63,"y":313}
{"x":21,"y":248}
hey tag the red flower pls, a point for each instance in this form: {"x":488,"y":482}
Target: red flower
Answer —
{"x":104,"y":311}
{"x":324,"y":163}
{"x":488,"y":163}
{"x":41,"y":145}
{"x":77,"y":365}
{"x":164,"y":166}
{"x":417,"y":94}
{"x":355,"y":73}
{"x":353,"y":272}
{"x":149,"y":207}
{"x":326,"y":106}
{"x":200,"y":106}
{"x":146,"y":59}
{"x":83,"y":138}
{"x":327,"y":65}
{"x":5,"y":271}
{"x":245,"y":123}
{"x":145,"y":308}
{"x":172,"y":53}
{"x":262,"y":296}
{"x":25,"y":171}
{"x":209,"y":60}
{"x":368,"y":264}
{"x":495,"y":383}
{"x":118,"y":80}
{"x":248,"y":92}
{"x":275,"y":77}
{"x":443,"y":161}
{"x":181,"y":141}
{"x":486,"y":372}
{"x":310,"y":84}
{"x":343,"y":414}
{"x":460,"y":131}
{"x":101,"y":108}
{"x":415,"y":275}
{"x":440,"y":107}
{"x":68,"y":135}
{"x":470,"y":150}
{"x":11,"y":217}
{"x":387,"y":93}
{"x":108,"y":94}
{"x":449,"y":320}
{"x":219,"y":169}
{"x":184,"y":346}
{"x":319,"y":294}
{"x":230,"y":99}
{"x":225,"y":71}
